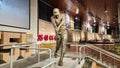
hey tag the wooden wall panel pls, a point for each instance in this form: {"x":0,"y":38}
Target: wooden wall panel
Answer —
{"x":29,"y":36}
{"x":19,"y":37}
{"x":119,"y":13}
{"x":6,"y":56}
{"x":7,"y":35}
{"x":0,"y":35}
{"x":23,"y":38}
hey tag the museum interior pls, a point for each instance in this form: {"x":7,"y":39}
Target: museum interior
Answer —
{"x":59,"y":33}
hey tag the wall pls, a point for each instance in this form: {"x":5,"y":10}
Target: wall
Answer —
{"x":33,"y":22}
{"x":119,"y":12}
{"x":46,"y":28}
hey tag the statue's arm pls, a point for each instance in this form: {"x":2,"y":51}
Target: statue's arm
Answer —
{"x":53,"y":23}
{"x":62,"y":21}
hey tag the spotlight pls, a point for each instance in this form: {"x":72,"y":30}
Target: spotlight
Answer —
{"x":76,"y":18}
{"x":106,"y":11}
{"x":94,"y":19}
{"x":105,"y":8}
{"x":108,"y":25}
{"x":77,"y":10}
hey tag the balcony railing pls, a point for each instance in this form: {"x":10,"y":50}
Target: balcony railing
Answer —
{"x":79,"y":36}
{"x":106,"y":58}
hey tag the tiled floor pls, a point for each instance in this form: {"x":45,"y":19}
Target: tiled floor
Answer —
{"x":23,"y":63}
{"x":68,"y":62}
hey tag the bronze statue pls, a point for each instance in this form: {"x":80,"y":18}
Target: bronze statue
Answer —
{"x":58,"y":21}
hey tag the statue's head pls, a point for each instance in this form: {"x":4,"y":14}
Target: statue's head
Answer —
{"x":56,"y":12}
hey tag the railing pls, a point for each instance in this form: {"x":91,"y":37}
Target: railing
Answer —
{"x":38,"y":54}
{"x":101,"y":55}
{"x":26,"y":50}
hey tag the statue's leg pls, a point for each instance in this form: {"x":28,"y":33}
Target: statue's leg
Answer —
{"x":58,"y":43}
{"x":60,"y":63}
{"x":63,"y":48}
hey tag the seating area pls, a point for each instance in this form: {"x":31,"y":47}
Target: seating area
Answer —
{"x":94,"y":38}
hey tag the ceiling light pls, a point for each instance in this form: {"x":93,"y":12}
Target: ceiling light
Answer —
{"x":76,"y":18}
{"x":94,"y":19}
{"x":77,"y":10}
{"x":108,"y":23}
{"x":89,"y":18}
{"x":105,"y":8}
{"x":106,"y":11}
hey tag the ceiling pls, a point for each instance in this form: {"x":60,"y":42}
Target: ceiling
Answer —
{"x":94,"y":7}
{"x":98,"y":7}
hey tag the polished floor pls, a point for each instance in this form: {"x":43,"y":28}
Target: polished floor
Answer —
{"x":69,"y":62}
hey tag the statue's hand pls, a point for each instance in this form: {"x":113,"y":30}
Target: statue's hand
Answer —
{"x":57,"y":29}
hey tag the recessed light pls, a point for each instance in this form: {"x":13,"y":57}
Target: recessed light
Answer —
{"x":77,"y":10}
{"x":76,"y":18}
{"x":106,"y":11}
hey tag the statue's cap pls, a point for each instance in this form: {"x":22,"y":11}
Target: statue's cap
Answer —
{"x":55,"y":10}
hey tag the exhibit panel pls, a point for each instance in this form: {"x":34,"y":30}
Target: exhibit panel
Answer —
{"x":16,"y":14}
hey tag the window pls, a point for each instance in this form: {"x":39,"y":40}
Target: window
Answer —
{"x":45,"y":11}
